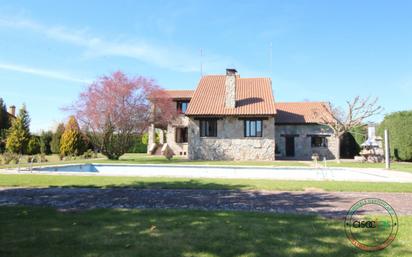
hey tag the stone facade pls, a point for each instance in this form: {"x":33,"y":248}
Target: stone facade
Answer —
{"x":230,"y":143}
{"x":302,"y":141}
{"x":179,"y":149}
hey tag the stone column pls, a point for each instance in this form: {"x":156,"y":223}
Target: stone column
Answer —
{"x":161,"y":137}
{"x":151,"y":138}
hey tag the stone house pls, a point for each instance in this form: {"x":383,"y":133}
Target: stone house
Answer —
{"x":232,"y":118}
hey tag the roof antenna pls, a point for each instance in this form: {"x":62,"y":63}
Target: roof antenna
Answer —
{"x":270,"y":60}
{"x":201,"y":62}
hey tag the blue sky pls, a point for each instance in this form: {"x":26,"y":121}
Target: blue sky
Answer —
{"x":321,"y":50}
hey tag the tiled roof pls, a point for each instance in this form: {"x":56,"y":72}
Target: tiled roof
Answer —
{"x":301,"y":112}
{"x":253,"y":97}
{"x":180,"y":94}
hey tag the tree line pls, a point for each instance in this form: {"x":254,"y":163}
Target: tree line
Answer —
{"x":16,"y":138}
{"x":111,"y":117}
{"x":112,"y":114}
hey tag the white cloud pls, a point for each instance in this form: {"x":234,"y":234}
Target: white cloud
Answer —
{"x":162,"y":56}
{"x":42,"y":73}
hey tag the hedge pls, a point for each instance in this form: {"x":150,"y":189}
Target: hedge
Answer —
{"x":399,"y":125}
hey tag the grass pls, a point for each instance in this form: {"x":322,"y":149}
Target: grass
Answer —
{"x":37,"y":180}
{"x":27,"y":231}
{"x":399,"y":166}
{"x":51,"y":160}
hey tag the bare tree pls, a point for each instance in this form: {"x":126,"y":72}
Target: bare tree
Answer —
{"x":342,"y":121}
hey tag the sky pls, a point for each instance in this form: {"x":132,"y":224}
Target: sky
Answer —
{"x":312,"y":50}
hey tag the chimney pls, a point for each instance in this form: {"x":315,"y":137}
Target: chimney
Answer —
{"x":371,"y":132}
{"x":12,"y":110}
{"x":230,"y":87}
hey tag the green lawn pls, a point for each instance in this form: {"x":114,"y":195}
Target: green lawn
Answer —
{"x":36,"y":180}
{"x":112,"y":232}
{"x":51,"y":160}
{"x":400,"y":166}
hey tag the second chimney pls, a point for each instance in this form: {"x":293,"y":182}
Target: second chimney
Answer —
{"x":12,"y":110}
{"x":230,"y":88}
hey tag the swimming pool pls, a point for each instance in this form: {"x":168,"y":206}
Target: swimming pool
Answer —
{"x":229,"y":172}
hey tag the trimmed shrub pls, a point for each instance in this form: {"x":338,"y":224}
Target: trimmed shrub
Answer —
{"x":351,"y":141}
{"x":399,"y":125}
{"x":348,"y":146}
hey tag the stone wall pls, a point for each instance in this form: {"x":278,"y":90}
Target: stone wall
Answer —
{"x":230,"y":91}
{"x":303,"y":147}
{"x":179,"y":149}
{"x":230,"y":143}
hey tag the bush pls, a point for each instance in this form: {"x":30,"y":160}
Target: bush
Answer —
{"x":348,"y":146}
{"x":32,"y":159}
{"x":145,"y":138}
{"x":33,"y":147}
{"x":399,"y":125}
{"x":42,"y":157}
{"x":8,"y":158}
{"x":351,"y":141}
{"x":138,"y":145}
{"x":89,"y":154}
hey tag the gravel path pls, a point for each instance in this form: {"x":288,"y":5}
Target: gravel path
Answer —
{"x":329,"y":204}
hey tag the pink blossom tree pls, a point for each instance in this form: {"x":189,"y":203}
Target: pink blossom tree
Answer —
{"x":115,"y":108}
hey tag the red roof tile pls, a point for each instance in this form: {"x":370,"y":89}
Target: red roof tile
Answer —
{"x":301,"y":112}
{"x":253,"y":97}
{"x":180,"y":94}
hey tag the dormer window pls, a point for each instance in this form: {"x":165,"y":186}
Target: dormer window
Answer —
{"x":182,"y":106}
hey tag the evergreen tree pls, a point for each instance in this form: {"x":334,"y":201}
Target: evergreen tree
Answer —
{"x":71,"y":142}
{"x":45,"y":141}
{"x":4,"y":125}
{"x":19,"y":133}
{"x":55,"y":142}
{"x":4,"y":116}
{"x":33,"y":147}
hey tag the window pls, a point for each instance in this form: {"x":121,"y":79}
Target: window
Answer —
{"x":182,"y":106}
{"x":181,"y":135}
{"x":253,"y":128}
{"x":208,"y":128}
{"x":319,"y":141}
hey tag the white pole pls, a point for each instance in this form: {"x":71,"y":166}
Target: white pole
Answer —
{"x":387,"y":150}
